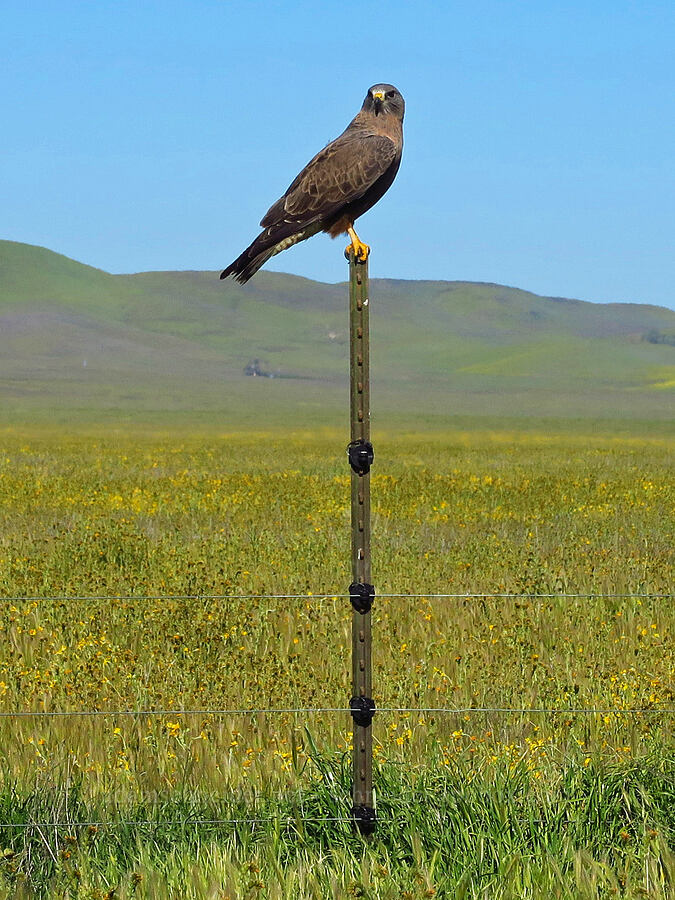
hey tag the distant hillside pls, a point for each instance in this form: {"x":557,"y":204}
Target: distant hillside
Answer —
{"x":77,"y":342}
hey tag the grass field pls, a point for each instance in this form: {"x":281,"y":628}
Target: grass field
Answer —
{"x":567,"y":803}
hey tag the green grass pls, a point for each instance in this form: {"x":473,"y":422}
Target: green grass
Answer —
{"x":471,"y":804}
{"x":599,"y":831}
{"x":169,"y":348}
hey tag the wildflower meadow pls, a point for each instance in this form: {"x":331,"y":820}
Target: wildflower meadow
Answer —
{"x":175,"y":664}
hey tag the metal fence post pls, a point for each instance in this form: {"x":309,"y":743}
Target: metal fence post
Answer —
{"x":361,"y":590}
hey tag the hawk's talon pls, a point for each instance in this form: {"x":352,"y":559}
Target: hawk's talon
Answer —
{"x":361,"y":252}
{"x":357,"y":247}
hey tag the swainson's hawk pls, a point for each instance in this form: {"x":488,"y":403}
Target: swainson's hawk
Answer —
{"x":341,"y":183}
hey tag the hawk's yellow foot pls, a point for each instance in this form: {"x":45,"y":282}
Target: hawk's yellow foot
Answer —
{"x":357,"y":246}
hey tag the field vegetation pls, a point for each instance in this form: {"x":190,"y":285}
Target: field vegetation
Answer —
{"x":126,"y":561}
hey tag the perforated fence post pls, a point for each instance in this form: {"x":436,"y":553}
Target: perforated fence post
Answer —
{"x":361,"y":590}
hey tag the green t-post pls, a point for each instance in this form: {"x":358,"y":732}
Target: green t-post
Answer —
{"x":361,"y":590}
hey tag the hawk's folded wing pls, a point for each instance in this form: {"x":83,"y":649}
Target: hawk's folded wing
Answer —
{"x":342,"y":172}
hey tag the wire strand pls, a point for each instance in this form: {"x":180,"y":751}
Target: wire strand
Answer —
{"x":19,"y":714}
{"x":164,"y":824}
{"x":335,"y":595}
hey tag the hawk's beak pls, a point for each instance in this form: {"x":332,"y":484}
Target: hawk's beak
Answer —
{"x":378,"y":100}
{"x":378,"y":95}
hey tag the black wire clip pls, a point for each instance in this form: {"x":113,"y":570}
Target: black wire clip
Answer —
{"x":365,"y":818}
{"x":363,"y":710}
{"x":361,"y":456}
{"x":362,"y":596}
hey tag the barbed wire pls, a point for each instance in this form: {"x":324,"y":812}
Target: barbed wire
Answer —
{"x":307,"y":710}
{"x":337,"y":595}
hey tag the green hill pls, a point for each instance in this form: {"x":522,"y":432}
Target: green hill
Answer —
{"x":79,"y":344}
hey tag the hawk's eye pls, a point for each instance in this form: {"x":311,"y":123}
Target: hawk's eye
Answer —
{"x":390,"y":94}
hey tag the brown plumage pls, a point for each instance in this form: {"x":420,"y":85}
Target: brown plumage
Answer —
{"x":341,"y":183}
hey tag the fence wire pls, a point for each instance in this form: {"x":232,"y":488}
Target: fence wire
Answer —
{"x":133,"y":823}
{"x":297,"y":798}
{"x":341,"y":595}
{"x":310,"y":710}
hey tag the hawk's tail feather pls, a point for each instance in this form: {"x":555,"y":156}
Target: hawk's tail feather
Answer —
{"x":267,"y":245}
{"x":246,"y":265}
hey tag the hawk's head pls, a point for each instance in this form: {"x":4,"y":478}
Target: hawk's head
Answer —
{"x":384,"y":99}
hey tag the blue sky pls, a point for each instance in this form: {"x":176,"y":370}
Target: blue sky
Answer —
{"x":539,"y":135}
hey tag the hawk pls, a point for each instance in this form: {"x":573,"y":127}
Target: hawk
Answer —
{"x":341,"y":183}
